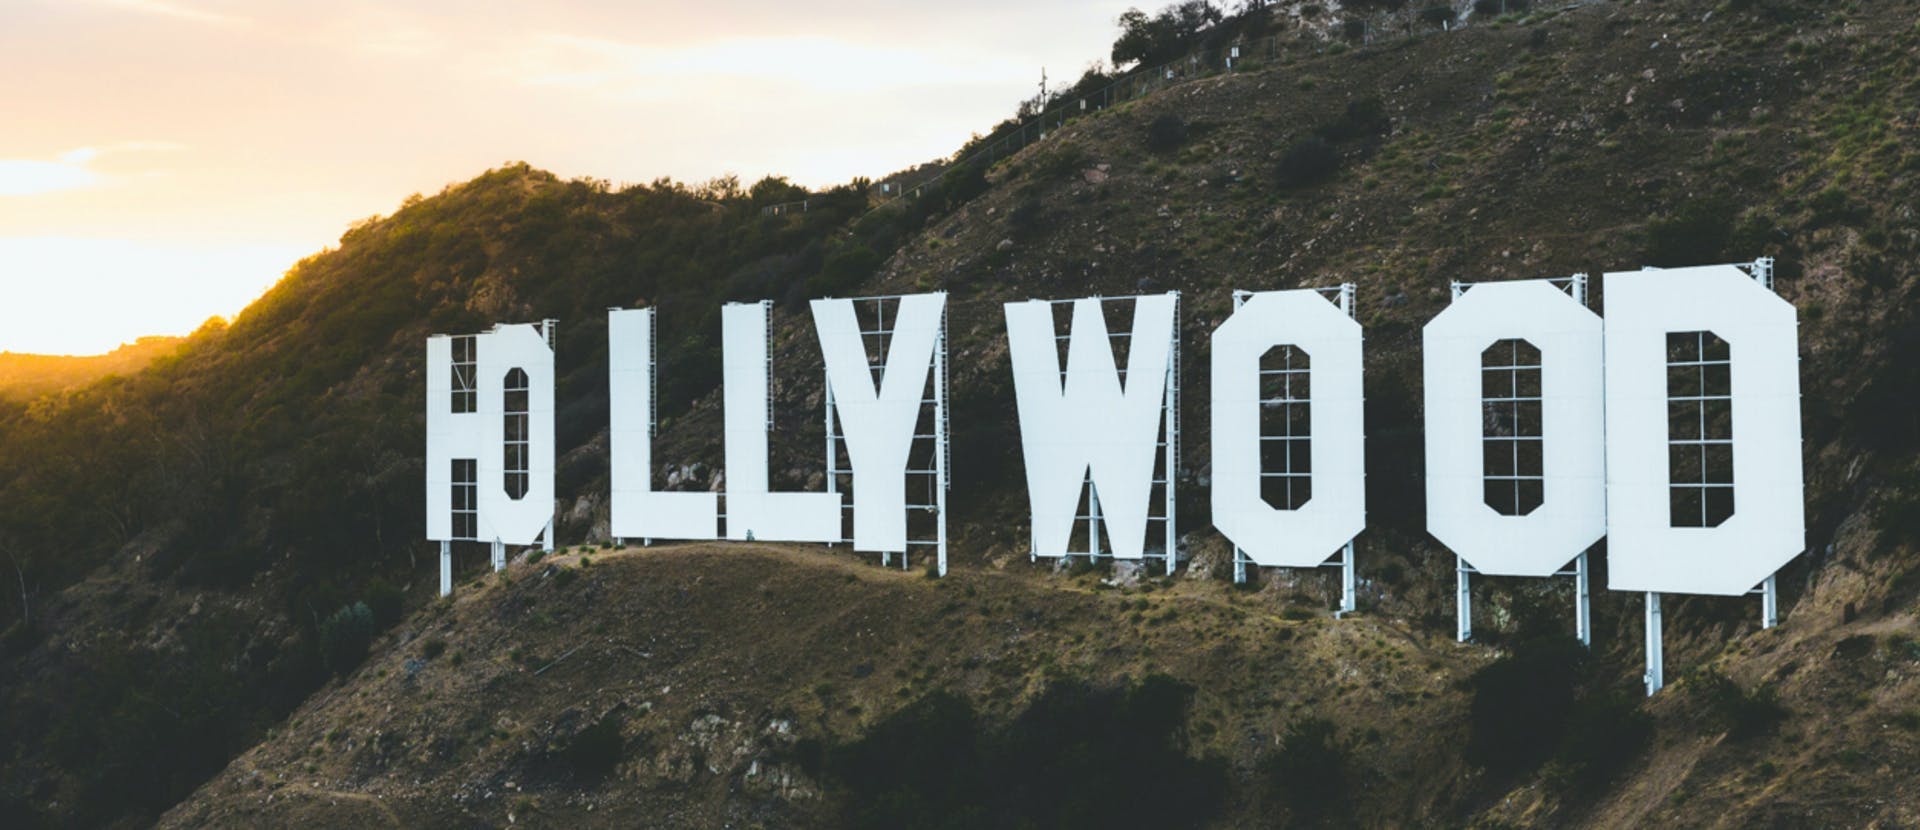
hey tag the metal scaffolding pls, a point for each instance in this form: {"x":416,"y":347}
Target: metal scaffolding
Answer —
{"x":930,"y":457}
{"x":1166,"y":466}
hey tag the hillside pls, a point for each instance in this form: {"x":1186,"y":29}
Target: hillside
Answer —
{"x":185,"y":539}
{"x":27,"y":376}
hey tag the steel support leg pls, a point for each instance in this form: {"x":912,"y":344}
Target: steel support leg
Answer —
{"x":1656,"y":654}
{"x":1769,"y":602}
{"x":1348,"y":583}
{"x":1462,"y":601}
{"x":1239,"y":566}
{"x":499,"y":555}
{"x":1582,"y":602}
{"x":446,"y":568}
{"x":1093,"y":523}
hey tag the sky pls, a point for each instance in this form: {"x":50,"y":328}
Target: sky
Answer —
{"x":165,"y":161}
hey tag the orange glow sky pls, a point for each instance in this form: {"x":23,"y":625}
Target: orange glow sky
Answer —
{"x":163,"y":161}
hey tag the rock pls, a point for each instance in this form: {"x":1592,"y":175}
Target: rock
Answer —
{"x":1126,"y":573}
{"x":1005,"y":245}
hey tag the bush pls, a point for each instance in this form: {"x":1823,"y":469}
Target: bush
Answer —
{"x":344,"y":637}
{"x":1075,"y":758}
{"x":386,"y":601}
{"x":1437,"y":15}
{"x":1491,"y":8}
{"x":1605,"y":732}
{"x":1307,"y":161}
{"x":596,"y":750}
{"x":845,"y":268}
{"x":1522,"y":703}
{"x":1166,"y":133}
{"x":1741,"y":713}
{"x":1696,"y":234}
{"x":1027,"y":219}
{"x":1309,"y":773}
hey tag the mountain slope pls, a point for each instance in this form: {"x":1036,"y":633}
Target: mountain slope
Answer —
{"x":1601,"y":137}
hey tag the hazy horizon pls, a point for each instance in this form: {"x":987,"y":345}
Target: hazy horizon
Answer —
{"x":176,"y":158}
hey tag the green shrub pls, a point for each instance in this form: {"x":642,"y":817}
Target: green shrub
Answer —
{"x":1073,"y":759}
{"x":1696,"y":234}
{"x":1308,"y":775}
{"x":344,"y":637}
{"x":593,"y":752}
{"x":1741,"y":713}
{"x":386,"y":601}
{"x":1522,"y":703}
{"x":1605,"y":733}
{"x":1166,"y":133}
{"x":1307,"y":161}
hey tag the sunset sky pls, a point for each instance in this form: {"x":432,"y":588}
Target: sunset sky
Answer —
{"x":163,"y":161}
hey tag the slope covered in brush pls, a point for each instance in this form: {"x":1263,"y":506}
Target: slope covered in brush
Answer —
{"x":201,"y":545}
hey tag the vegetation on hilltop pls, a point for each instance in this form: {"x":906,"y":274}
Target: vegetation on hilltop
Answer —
{"x":24,"y":377}
{"x":193,"y":543}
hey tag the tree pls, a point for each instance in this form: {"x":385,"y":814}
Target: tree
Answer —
{"x":1163,"y":36}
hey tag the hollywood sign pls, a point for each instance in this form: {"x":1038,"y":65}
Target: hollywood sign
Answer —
{"x":1671,"y":427}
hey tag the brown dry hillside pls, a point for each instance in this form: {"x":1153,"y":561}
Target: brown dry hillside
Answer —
{"x":720,"y":663}
{"x":716,"y":685}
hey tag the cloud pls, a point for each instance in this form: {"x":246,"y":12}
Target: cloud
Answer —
{"x":71,"y":170}
{"x":26,"y":177}
{"x":823,"y":64}
{"x":173,"y":10}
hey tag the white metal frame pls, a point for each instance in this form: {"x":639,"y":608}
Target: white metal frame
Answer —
{"x":1575,"y":286}
{"x":1342,"y":296}
{"x":1655,"y":678}
{"x":931,"y":447}
{"x":1168,"y":445}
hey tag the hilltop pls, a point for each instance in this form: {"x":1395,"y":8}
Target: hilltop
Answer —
{"x":191,"y":542}
{"x":26,"y":376}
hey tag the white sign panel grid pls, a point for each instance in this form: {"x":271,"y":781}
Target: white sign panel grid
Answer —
{"x":1094,"y":434}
